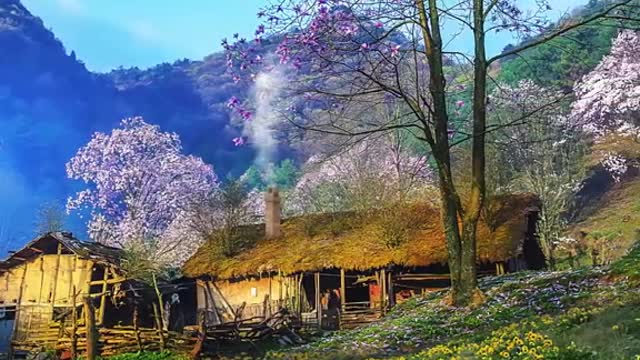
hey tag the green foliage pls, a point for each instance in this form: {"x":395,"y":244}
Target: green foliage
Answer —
{"x":284,"y":175}
{"x":231,"y":236}
{"x":612,"y":334}
{"x":562,"y":61}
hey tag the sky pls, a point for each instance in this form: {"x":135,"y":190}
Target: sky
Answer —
{"x":106,"y":34}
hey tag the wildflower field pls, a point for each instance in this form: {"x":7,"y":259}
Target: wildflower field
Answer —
{"x":580,"y":314}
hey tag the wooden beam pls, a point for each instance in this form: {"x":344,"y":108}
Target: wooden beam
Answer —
{"x":74,"y":326}
{"x":103,"y":298}
{"x":38,"y":250}
{"x":343,"y":290}
{"x":107,"y":282}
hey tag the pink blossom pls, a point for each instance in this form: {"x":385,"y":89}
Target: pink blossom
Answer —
{"x":138,"y":180}
{"x":238,"y":141}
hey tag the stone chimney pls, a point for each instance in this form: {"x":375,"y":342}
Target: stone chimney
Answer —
{"x":272,"y":213}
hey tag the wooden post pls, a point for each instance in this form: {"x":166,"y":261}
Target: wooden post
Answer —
{"x":92,"y":333}
{"x":55,"y":278}
{"x":279,"y":289}
{"x":270,"y":295}
{"x":16,"y":321}
{"x":300,"y":295}
{"x":382,"y":281}
{"x":136,"y":329}
{"x":392,"y":298}
{"x":74,"y":326}
{"x":103,"y":296}
{"x":318,"y":299}
{"x":202,"y":335}
{"x":41,"y":279}
{"x":156,"y":315}
{"x":343,"y":290}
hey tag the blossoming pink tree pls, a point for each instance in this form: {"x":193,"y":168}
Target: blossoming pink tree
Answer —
{"x":139,"y":184}
{"x":341,"y":54}
{"x":608,"y":104}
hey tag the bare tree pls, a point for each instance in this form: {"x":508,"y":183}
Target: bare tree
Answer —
{"x":51,"y":217}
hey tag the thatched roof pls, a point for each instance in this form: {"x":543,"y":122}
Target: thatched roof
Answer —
{"x":360,"y":242}
{"x":48,"y":244}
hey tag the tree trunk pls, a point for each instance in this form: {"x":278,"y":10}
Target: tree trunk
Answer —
{"x":461,"y":245}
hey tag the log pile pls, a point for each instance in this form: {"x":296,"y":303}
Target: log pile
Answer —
{"x":280,"y":325}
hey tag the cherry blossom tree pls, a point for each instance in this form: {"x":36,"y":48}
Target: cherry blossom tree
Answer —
{"x":608,"y":105}
{"x":139,"y":184}
{"x":341,"y":54}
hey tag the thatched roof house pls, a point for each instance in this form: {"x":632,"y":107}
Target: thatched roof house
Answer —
{"x":383,"y":245}
{"x":353,"y":241}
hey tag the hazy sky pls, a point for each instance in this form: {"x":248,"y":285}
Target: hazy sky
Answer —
{"x":109,"y":33}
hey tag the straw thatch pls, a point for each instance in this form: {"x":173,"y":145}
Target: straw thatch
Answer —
{"x":359,"y":242}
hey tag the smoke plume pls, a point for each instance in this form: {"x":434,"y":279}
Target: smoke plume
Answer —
{"x":266,"y":92}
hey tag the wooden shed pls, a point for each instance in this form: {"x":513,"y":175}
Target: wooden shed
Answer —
{"x":340,"y":270}
{"x":39,"y":280}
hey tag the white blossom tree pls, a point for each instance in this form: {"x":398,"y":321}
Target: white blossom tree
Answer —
{"x":543,"y":155}
{"x":608,"y":105}
{"x":373,"y":173}
{"x":138,"y":185}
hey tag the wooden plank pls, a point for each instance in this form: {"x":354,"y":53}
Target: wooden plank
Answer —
{"x":225,"y":303}
{"x":55,"y":277}
{"x":213,"y":303}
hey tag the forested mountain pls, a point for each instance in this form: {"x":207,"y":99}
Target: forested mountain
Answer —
{"x":50,"y":104}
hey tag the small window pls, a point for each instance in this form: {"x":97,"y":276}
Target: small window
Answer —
{"x":7,"y":313}
{"x":254,"y":292}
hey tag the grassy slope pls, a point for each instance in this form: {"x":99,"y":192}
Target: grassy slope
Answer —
{"x":583,"y":314}
{"x":617,"y":216}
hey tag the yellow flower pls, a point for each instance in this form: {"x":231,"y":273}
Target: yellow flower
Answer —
{"x":615,"y":328}
{"x":505,"y":354}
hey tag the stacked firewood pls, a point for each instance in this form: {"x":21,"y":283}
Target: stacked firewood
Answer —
{"x":280,"y":325}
